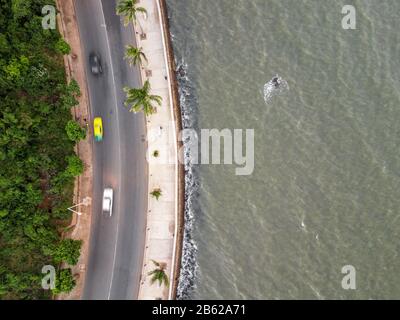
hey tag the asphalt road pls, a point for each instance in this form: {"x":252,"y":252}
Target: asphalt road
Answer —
{"x":117,"y":242}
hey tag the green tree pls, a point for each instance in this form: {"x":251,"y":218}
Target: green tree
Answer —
{"x":75,"y":166}
{"x":140,"y":99}
{"x":4,"y":44}
{"x":156,"y":193}
{"x":63,"y":47}
{"x":158,"y":274}
{"x":73,"y":88}
{"x":60,"y":209}
{"x":16,"y":68}
{"x":36,"y":171}
{"x":129,"y":10}
{"x":21,"y":8}
{"x":69,"y":94}
{"x":64,"y":281}
{"x":25,"y":285}
{"x":74,"y":131}
{"x":68,"y":101}
{"x":68,"y":251}
{"x":3,"y":213}
{"x":134,"y":55}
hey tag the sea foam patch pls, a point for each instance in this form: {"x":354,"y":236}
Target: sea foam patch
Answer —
{"x":189,"y":265}
{"x":275,"y":86}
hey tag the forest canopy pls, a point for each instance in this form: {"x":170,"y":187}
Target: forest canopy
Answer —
{"x":37,"y":160}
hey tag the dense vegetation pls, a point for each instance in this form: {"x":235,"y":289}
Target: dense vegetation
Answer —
{"x":37,"y":160}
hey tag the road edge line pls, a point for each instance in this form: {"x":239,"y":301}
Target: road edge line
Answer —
{"x":83,"y":109}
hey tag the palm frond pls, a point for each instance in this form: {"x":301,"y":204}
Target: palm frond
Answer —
{"x":140,"y":99}
{"x":159,"y":274}
{"x":134,"y":55}
{"x":129,"y":9}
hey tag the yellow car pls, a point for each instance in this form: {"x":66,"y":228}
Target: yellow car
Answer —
{"x":98,"y":129}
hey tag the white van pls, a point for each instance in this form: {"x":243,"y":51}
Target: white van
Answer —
{"x":108,"y":201}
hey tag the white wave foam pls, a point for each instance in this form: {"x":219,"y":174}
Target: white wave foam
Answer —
{"x":275,"y":86}
{"x":189,"y":251}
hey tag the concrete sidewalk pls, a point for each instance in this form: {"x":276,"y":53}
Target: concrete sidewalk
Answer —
{"x":162,"y":219}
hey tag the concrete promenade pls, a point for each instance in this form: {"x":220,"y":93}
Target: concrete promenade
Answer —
{"x":164,"y":226}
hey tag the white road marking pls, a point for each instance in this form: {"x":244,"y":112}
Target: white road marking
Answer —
{"x":119,"y":145}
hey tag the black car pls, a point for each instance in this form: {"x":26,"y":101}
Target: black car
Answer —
{"x":95,"y":64}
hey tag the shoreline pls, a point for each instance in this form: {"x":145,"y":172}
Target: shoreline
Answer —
{"x":179,"y":127}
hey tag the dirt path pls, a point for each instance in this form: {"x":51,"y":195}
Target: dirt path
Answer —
{"x":80,"y":225}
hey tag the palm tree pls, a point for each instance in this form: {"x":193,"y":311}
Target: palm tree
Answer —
{"x":129,"y":9}
{"x":156,"y":193}
{"x":140,"y":99}
{"x":159,"y":274}
{"x":134,"y":55}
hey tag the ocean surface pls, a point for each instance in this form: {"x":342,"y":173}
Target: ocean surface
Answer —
{"x":324,"y":192}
